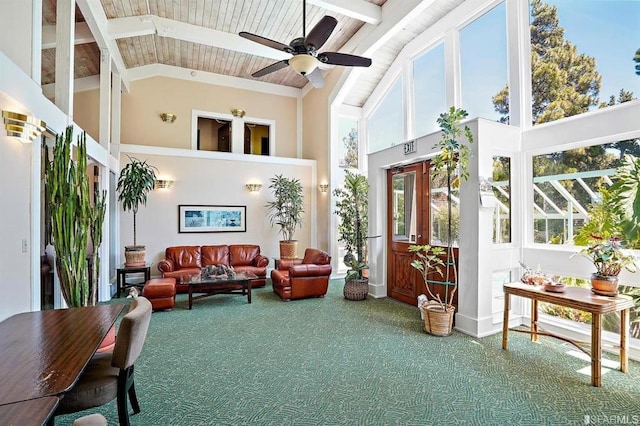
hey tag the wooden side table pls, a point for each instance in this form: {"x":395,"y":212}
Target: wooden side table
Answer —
{"x":122,"y":275}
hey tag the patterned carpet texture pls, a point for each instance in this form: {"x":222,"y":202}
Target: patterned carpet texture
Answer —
{"x":331,"y":361}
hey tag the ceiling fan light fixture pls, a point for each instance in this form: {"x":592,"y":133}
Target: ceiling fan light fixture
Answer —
{"x":303,"y":64}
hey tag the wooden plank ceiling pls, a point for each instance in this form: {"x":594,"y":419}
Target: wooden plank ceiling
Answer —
{"x":154,"y":32}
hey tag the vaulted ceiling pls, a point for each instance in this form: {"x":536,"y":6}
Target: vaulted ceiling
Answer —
{"x":202,"y":35}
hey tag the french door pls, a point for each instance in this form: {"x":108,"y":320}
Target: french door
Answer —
{"x":411,"y":203}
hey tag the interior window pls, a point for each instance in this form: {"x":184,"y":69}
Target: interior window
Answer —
{"x":256,"y":139}
{"x":214,"y":134}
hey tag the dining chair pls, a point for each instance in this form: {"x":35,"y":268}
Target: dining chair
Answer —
{"x":109,"y":376}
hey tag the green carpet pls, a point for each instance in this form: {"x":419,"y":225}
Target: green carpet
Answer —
{"x":332,"y":361}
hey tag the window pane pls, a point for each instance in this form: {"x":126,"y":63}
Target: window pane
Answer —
{"x":483,"y":62}
{"x":404,"y":207}
{"x":566,"y":185}
{"x":214,"y":134}
{"x":502,"y":192}
{"x":429,"y":90}
{"x":256,"y":139}
{"x":582,"y":56}
{"x":386,"y":124}
{"x":348,"y":143}
{"x":439,"y":209}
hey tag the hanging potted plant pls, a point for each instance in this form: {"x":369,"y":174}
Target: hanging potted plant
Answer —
{"x":136,"y":179}
{"x":453,"y":160}
{"x":74,"y":221}
{"x":352,"y":209}
{"x":286,"y":211}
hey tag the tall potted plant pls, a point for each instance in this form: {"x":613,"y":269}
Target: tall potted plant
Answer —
{"x":352,"y":209}
{"x":136,"y":179}
{"x":453,"y":160}
{"x":285,"y":211}
{"x":74,"y":221}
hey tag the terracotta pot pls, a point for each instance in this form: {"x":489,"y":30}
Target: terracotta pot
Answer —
{"x":604,"y":285}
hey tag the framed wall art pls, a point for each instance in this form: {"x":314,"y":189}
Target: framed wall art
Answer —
{"x":199,"y":218}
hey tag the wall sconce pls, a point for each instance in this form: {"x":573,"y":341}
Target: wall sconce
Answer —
{"x":323,"y":187}
{"x":23,"y":127}
{"x":167,"y":117}
{"x":163,"y":184}
{"x":237,"y":112}
{"x":253,"y":187}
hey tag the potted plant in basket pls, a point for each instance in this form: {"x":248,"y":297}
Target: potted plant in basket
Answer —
{"x":352,"y":208}
{"x":136,"y":179}
{"x":286,"y":211}
{"x":609,"y":258}
{"x":453,"y":160}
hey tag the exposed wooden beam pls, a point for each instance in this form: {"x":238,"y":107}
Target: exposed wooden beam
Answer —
{"x":82,"y":35}
{"x":151,"y":24}
{"x":97,"y":21}
{"x":358,"y":9}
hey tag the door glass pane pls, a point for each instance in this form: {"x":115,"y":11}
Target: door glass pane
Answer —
{"x":404,"y":207}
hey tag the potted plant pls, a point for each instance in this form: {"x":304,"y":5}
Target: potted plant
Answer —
{"x":609,"y":258}
{"x":136,"y":179}
{"x":352,"y":208}
{"x":74,"y":221}
{"x":286,"y":211}
{"x":453,"y":160}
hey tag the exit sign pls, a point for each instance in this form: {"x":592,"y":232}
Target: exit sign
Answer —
{"x":409,"y":147}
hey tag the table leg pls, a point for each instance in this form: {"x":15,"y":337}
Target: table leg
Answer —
{"x":248,"y":284}
{"x":505,"y":320}
{"x":534,"y":321}
{"x":624,"y":340}
{"x":118,"y":284}
{"x":190,"y":297}
{"x":147,"y":275}
{"x":596,"y":349}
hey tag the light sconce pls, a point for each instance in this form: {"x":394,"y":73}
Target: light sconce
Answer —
{"x":23,"y":127}
{"x":303,"y":64}
{"x":253,"y":187}
{"x":237,"y":112}
{"x":323,"y":187}
{"x":167,"y":117}
{"x":163,"y":184}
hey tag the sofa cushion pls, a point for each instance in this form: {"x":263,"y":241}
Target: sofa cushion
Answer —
{"x":215,"y":255}
{"x":184,"y":256}
{"x":242,"y":254}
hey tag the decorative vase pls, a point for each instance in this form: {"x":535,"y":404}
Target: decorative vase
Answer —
{"x":604,"y":285}
{"x":356,"y":289}
{"x":437,"y":321}
{"x":289,"y":249}
{"x":134,"y":255}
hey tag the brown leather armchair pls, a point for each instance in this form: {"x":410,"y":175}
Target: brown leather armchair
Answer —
{"x":298,"y":279}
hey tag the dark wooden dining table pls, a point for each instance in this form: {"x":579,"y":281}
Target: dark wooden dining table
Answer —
{"x":43,"y":353}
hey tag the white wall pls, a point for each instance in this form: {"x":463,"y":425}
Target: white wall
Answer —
{"x":211,"y":178}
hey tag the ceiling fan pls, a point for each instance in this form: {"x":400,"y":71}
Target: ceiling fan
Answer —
{"x":306,"y":58}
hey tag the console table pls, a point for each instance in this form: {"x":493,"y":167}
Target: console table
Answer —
{"x":577,"y":298}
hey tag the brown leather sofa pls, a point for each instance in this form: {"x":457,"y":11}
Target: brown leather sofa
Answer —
{"x":188,"y":260}
{"x":298,"y":279}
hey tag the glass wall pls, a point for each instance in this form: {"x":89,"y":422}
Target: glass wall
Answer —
{"x":429,"y":90}
{"x":582,"y":56}
{"x":483,"y":63}
{"x":386,"y":124}
{"x":502,"y":192}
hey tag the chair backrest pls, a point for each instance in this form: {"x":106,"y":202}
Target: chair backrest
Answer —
{"x":316,"y":257}
{"x":132,"y":334}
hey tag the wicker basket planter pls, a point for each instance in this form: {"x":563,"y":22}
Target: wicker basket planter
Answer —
{"x":134,"y":255}
{"x":437,"y":321}
{"x":289,"y":249}
{"x":356,"y":289}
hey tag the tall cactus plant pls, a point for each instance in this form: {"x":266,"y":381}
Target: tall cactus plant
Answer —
{"x":74,"y":220}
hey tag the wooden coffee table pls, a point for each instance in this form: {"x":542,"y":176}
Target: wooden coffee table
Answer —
{"x":240,"y":283}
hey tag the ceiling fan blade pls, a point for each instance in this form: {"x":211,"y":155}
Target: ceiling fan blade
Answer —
{"x":265,"y":41}
{"x":344,"y":59}
{"x":271,"y":68}
{"x":320,"y":33}
{"x":315,"y":78}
